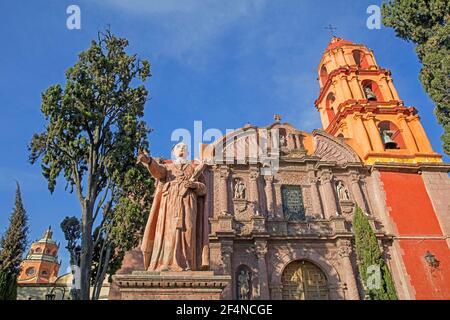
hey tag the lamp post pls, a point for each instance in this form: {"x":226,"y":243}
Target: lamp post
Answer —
{"x":51,"y":295}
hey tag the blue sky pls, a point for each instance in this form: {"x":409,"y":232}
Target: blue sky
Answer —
{"x":224,"y":62}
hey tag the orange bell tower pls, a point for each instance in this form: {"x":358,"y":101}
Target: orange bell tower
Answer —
{"x":41,"y":264}
{"x":359,"y":102}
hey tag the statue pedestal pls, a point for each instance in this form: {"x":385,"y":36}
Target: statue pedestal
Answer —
{"x":169,"y":285}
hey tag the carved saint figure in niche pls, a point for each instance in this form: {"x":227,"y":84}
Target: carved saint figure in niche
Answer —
{"x":370,"y":95}
{"x":239,"y":189}
{"x":342,"y":191}
{"x":283,"y":141}
{"x":244,"y":285}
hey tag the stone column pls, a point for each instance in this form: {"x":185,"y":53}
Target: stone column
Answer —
{"x":261,"y":251}
{"x":374,"y":133}
{"x":356,"y":191}
{"x":276,"y":292}
{"x":371,"y":59}
{"x":344,"y":128}
{"x":356,"y":89}
{"x":345,"y":250}
{"x":422,"y":140}
{"x":298,"y":141}
{"x":385,"y":90}
{"x":337,"y":92}
{"x":268,"y":189}
{"x":346,"y":88}
{"x":328,"y":194}
{"x":290,"y":141}
{"x":340,"y":57}
{"x":223,"y":189}
{"x":407,"y":134}
{"x":226,"y":251}
{"x":361,"y":132}
{"x":315,"y":197}
{"x":391,"y":86}
{"x":254,"y":193}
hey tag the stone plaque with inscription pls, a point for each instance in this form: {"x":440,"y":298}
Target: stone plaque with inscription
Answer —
{"x":292,"y":203}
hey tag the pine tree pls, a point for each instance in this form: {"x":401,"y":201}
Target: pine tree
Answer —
{"x":12,"y":246}
{"x":370,"y":260}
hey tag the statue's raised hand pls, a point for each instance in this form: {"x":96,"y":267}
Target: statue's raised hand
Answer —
{"x":143,"y":157}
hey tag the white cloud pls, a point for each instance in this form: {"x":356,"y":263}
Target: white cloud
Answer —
{"x":188,"y":29}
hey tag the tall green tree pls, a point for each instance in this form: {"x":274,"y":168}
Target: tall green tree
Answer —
{"x":426,"y":23}
{"x":12,"y":247}
{"x":123,"y":227}
{"x":93,"y":131}
{"x":369,"y":259}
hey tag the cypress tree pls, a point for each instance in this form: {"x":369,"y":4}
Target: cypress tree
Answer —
{"x":370,"y":260}
{"x":12,"y":247}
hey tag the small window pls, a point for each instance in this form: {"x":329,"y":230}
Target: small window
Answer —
{"x":30,"y":271}
{"x":357,"y":57}
{"x":323,"y":75}
{"x":331,"y":112}
{"x":38,"y":250}
{"x":360,"y":59}
{"x":44,"y":273}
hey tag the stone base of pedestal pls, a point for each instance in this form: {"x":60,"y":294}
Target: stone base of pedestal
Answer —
{"x":167,"y":285}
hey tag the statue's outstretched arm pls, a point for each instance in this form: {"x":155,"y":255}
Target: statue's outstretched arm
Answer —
{"x":157,"y":170}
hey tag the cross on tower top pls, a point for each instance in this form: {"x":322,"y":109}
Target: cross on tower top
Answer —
{"x":331,"y":28}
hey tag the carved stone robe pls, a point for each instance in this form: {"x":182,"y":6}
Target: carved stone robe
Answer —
{"x":176,"y":233}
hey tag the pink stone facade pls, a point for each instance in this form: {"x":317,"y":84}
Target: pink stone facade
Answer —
{"x":250,"y":228}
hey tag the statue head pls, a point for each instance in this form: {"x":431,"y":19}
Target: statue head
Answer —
{"x":180,"y":151}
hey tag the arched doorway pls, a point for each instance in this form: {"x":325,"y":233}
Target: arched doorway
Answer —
{"x":303,"y":280}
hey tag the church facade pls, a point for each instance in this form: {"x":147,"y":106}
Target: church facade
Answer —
{"x":287,"y":233}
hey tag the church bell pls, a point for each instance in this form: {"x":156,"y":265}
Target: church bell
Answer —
{"x":386,"y":135}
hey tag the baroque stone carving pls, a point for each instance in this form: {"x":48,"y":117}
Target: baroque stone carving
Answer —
{"x":329,"y":148}
{"x":239,"y":189}
{"x":345,"y":248}
{"x":244,"y":284}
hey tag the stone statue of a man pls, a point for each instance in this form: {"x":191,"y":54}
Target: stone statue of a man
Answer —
{"x":176,"y":234}
{"x":244,"y":285}
{"x":342,"y":191}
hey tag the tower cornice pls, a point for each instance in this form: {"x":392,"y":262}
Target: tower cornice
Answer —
{"x":347,"y":71}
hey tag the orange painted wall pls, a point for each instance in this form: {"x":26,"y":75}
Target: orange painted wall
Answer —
{"x":413,"y":215}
